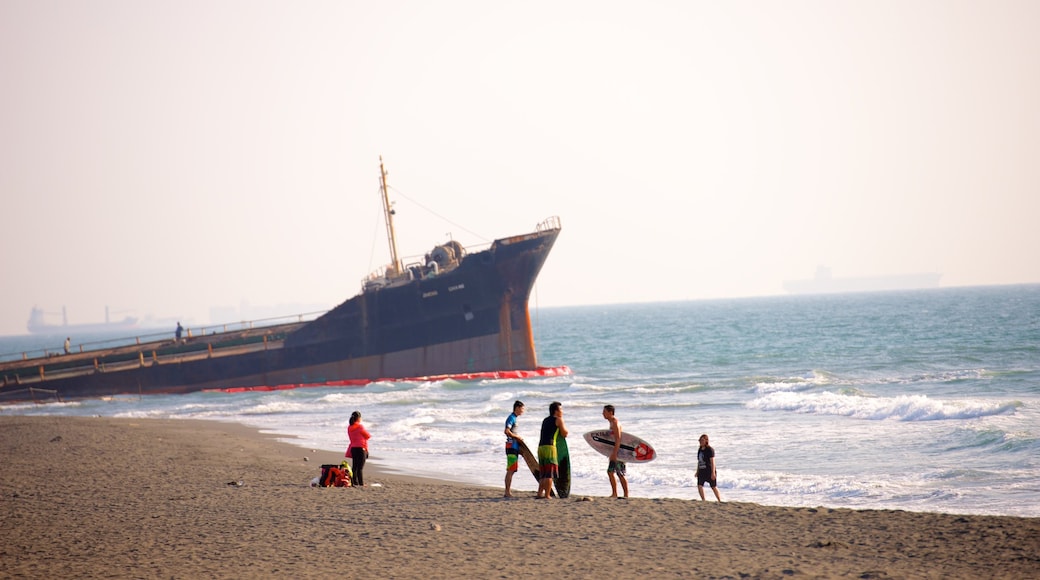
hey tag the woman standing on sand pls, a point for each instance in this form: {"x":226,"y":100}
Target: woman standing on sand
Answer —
{"x":358,"y":448}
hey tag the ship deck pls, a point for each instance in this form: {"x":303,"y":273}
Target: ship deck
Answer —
{"x":39,"y":370}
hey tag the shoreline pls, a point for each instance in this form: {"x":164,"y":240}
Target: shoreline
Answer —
{"x":379,"y":464}
{"x":87,"y":496}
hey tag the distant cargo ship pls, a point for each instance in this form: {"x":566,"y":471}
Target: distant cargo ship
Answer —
{"x":453,"y":314}
{"x":825,"y":283}
{"x":38,"y":324}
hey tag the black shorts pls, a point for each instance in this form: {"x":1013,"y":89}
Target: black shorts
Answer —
{"x":703,"y":478}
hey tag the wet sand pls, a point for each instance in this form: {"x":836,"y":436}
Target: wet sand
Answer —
{"x":91,"y":497}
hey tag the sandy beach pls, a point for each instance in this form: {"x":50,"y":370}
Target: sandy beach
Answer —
{"x":133,"y":498}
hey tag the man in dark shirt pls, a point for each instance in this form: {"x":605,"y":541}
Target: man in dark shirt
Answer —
{"x":706,"y":468}
{"x":548,"y":462}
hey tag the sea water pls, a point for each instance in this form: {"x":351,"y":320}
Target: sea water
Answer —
{"x":922,"y":400}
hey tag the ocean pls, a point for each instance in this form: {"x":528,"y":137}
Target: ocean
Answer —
{"x":923,"y":400}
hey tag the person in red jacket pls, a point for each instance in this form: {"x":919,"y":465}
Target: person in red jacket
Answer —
{"x":357,"y":451}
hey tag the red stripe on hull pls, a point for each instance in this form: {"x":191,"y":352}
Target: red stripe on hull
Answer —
{"x":560,"y":371}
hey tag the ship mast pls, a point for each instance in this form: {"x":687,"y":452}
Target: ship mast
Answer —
{"x":395,"y":267}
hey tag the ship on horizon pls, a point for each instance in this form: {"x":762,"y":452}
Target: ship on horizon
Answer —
{"x":825,"y":283}
{"x":38,"y":324}
{"x":455,"y":313}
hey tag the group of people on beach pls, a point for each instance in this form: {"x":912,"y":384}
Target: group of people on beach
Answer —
{"x":548,"y":463}
{"x":552,"y":427}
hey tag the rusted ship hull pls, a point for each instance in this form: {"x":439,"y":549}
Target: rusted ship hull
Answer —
{"x":469,"y":318}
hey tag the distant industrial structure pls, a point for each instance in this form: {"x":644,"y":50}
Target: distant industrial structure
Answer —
{"x":825,"y":283}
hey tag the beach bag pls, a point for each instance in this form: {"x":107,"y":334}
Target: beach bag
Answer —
{"x":333,"y":476}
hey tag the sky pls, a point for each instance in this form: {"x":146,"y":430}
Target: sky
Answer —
{"x":164,"y":158}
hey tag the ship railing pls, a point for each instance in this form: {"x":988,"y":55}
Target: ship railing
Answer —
{"x":549,"y":224}
{"x":55,"y":353}
{"x":248,"y":338}
{"x":34,"y":394}
{"x":259,"y":323}
{"x":385,"y":276}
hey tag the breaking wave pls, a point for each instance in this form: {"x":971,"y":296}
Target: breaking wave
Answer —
{"x":901,"y":408}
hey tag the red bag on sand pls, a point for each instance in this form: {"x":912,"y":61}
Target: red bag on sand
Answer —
{"x":333,"y":476}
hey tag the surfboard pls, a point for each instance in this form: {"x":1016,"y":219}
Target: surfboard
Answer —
{"x":563,"y":456}
{"x":531,"y":460}
{"x":633,"y":449}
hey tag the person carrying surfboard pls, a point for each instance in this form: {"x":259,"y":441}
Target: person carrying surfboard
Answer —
{"x":548,"y":462}
{"x":512,"y":444}
{"x":615,"y":467}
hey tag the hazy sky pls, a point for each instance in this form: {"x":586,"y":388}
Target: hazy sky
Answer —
{"x":164,"y":157}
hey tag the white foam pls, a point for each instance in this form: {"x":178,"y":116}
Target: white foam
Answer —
{"x":902,"y":408}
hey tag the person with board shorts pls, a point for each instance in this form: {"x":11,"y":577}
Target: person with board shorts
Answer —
{"x":615,"y":467}
{"x":706,"y":468}
{"x":512,"y":444}
{"x":548,"y":463}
